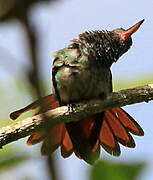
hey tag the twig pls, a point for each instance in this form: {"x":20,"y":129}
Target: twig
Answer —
{"x":25,"y":127}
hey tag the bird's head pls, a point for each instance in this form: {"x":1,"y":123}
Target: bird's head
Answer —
{"x":124,"y":37}
{"x":106,"y":46}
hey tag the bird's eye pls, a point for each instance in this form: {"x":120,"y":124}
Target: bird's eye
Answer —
{"x":73,"y":46}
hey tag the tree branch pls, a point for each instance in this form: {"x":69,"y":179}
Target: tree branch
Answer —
{"x":27,"y":126}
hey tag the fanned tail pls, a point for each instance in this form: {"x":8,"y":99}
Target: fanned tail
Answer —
{"x":108,"y":129}
{"x":116,"y":128}
{"x":53,"y":136}
{"x":84,"y":136}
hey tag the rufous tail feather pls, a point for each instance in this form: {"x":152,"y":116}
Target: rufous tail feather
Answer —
{"x":108,"y":129}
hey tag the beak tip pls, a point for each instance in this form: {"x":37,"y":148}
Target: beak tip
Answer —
{"x":131,"y":30}
{"x":140,"y":22}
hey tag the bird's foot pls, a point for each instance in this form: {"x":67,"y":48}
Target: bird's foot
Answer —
{"x":71,"y":107}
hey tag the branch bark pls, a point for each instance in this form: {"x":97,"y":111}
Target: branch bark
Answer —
{"x":18,"y":130}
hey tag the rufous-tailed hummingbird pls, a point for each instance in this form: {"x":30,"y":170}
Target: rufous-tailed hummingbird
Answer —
{"x":81,"y":71}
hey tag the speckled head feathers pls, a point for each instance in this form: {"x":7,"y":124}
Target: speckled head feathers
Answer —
{"x":107,"y":46}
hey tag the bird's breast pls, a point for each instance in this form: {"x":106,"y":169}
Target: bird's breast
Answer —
{"x":79,"y":83}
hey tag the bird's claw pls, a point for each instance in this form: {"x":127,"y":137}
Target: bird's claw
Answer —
{"x":71,"y":107}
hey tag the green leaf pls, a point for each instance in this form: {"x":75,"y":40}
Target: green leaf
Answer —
{"x":104,"y":170}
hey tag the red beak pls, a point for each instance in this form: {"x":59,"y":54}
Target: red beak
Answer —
{"x":127,"y":33}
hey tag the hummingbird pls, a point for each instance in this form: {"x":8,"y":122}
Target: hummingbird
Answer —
{"x":81,"y":71}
